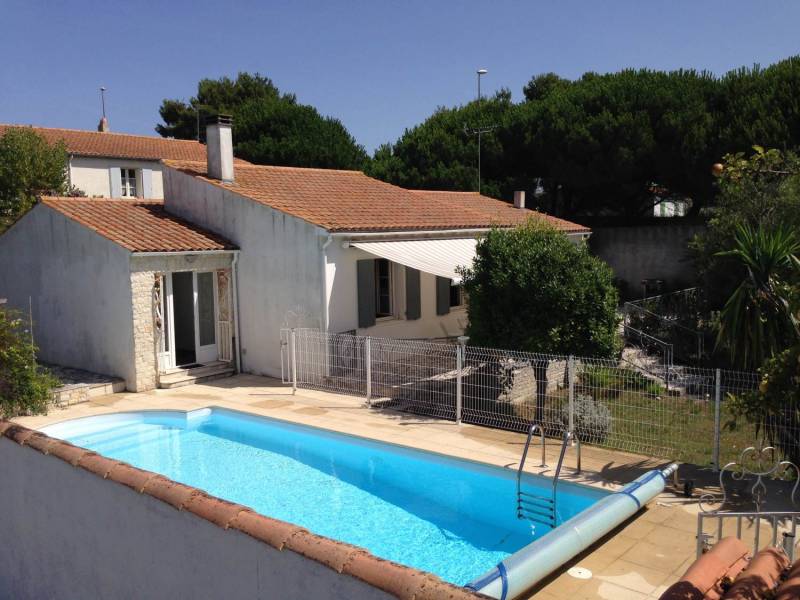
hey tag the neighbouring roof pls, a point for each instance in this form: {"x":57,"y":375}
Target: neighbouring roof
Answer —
{"x":730,"y":570}
{"x":353,"y":202}
{"x":138,"y":225}
{"x":121,"y":145}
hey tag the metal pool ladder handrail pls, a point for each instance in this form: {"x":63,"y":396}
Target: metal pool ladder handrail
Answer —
{"x":535,"y":507}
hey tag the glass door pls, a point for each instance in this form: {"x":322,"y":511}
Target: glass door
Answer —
{"x":166,"y":350}
{"x":205,"y":294}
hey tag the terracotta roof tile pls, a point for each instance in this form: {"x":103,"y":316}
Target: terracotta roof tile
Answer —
{"x":351,"y":201}
{"x":728,"y":571}
{"x":121,"y":145}
{"x":138,"y":225}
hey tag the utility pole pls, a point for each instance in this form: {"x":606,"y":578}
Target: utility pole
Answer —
{"x":480,"y":129}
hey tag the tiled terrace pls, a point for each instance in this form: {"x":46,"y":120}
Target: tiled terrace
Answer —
{"x":639,"y":560}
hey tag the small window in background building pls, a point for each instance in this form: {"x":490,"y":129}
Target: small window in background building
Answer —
{"x":128,"y":183}
{"x":383,"y":288}
{"x":456,"y":295}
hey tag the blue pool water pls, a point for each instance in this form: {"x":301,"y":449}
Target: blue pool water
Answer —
{"x":452,"y":517}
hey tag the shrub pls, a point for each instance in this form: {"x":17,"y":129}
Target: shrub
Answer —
{"x":592,"y":421}
{"x":24,"y":387}
{"x":532,"y":289}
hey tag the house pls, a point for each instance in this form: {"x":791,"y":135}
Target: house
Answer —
{"x":118,"y":165}
{"x":235,"y":253}
{"x":96,"y":273}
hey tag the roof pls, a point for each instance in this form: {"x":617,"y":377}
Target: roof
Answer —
{"x":731,"y":570}
{"x":82,"y":142}
{"x":474,"y":200}
{"x":138,"y":225}
{"x":351,"y":201}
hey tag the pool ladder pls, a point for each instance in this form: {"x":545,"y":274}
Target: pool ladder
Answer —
{"x":536,"y":507}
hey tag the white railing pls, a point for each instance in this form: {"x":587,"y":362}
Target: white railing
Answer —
{"x":783,"y":524}
{"x":224,"y":341}
{"x":680,"y":415}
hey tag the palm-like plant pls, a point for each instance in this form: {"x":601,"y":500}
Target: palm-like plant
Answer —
{"x":757,"y":321}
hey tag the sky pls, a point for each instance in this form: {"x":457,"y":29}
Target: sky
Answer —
{"x":379,"y":66}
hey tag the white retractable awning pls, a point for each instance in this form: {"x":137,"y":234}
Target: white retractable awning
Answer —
{"x":440,"y":257}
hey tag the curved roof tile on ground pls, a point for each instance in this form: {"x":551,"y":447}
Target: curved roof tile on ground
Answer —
{"x":82,"y":142}
{"x":353,"y":202}
{"x":138,"y":225}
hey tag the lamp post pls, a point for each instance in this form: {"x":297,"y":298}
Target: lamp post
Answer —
{"x":481,"y":73}
{"x":479,"y":129}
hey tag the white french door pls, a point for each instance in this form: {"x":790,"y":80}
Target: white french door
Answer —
{"x":189,"y":314}
{"x":166,"y":351}
{"x":205,"y":316}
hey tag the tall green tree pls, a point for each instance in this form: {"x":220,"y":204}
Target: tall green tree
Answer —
{"x":761,"y":191}
{"x":442,"y":153}
{"x":269,"y":127}
{"x":29,"y":166}
{"x":605,"y":145}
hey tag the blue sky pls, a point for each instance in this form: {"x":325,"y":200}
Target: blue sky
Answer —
{"x":379,"y":66}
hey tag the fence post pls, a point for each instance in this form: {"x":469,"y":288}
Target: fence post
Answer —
{"x":368,"y":364}
{"x":571,"y":380}
{"x":460,"y":355}
{"x":293,"y":341}
{"x":717,"y":433}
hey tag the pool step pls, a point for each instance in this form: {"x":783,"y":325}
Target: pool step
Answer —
{"x":207,"y":372}
{"x":540,"y":509}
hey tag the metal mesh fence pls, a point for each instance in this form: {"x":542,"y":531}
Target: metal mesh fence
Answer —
{"x":682,"y":413}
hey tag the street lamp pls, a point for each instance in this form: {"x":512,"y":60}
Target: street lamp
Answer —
{"x":480,"y":129}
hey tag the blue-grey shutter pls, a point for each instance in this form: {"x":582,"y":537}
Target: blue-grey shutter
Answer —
{"x":413,"y":308}
{"x":147,"y":183}
{"x":115,"y":177}
{"x":442,"y":295}
{"x":366,"y":292}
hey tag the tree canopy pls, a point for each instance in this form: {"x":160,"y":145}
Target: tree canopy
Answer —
{"x":761,"y":191}
{"x":611,"y":144}
{"x":29,"y":166}
{"x":270,"y":127}
{"x":533,"y":289}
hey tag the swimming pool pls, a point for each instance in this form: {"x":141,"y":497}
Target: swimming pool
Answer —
{"x":448,"y":516}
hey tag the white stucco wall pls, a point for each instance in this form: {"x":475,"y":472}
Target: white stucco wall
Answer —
{"x":343,"y":301}
{"x":91,"y":174}
{"x":279,"y":266}
{"x":79,"y":286}
{"x":71,"y":534}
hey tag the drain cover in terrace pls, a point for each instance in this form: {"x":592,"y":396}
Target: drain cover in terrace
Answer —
{"x":579,"y":573}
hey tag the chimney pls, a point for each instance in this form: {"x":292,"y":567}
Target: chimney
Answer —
{"x":102,"y":126}
{"x":519,"y":199}
{"x":219,"y":148}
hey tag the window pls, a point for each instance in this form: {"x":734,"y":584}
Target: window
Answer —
{"x":128,"y":177}
{"x":383,"y":288}
{"x":456,"y":295}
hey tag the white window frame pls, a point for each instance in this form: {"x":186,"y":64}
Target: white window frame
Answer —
{"x":127,"y":182}
{"x":462,"y":297}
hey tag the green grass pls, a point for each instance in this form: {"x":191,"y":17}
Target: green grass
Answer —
{"x":648,"y":420}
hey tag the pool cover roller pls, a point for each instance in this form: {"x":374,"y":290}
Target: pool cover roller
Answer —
{"x":538,"y":559}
